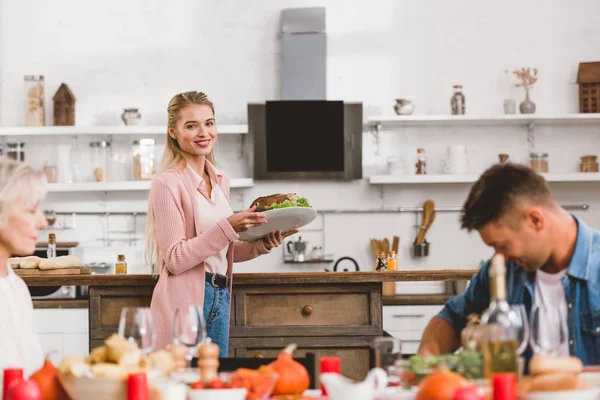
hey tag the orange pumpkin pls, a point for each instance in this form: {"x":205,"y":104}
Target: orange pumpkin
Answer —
{"x":292,"y":376}
{"x":441,"y":386}
{"x":47,"y":380}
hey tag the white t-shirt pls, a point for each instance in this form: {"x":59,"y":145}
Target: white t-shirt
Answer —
{"x":20,"y":345}
{"x":549,"y":290}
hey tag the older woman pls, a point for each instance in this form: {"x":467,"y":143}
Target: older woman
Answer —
{"x":21,"y":191}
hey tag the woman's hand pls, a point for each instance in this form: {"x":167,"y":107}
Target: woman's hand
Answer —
{"x":275,"y":239}
{"x":245,"y":220}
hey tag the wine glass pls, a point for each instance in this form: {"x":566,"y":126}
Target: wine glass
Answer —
{"x":136,"y":325}
{"x":518,"y":316}
{"x":548,"y":329}
{"x":189,"y":329}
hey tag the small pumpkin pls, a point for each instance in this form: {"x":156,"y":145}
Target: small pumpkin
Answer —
{"x":47,"y":380}
{"x":292,"y":376}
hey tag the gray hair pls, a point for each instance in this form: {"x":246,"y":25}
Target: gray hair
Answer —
{"x":19,"y":180}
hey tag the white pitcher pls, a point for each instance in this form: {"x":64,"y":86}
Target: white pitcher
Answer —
{"x":458,"y":160}
{"x":341,"y":388}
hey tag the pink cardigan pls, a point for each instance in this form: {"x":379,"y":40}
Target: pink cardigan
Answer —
{"x":183,"y":248}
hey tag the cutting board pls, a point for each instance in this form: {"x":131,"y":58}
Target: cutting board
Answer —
{"x":59,"y":244}
{"x":62,"y":271}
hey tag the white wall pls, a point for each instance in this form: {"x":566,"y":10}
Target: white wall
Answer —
{"x":117,"y":54}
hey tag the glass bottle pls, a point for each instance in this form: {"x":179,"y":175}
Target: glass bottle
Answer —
{"x":392,"y":262}
{"x":458,"y":101}
{"x":499,"y":330}
{"x":144,"y":163}
{"x":121,"y":265}
{"x":381,"y":262}
{"x":421,"y":164}
{"x":51,"y":252}
{"x":100,"y":160}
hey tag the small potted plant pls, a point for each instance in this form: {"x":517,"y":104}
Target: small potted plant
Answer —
{"x":527,"y":79}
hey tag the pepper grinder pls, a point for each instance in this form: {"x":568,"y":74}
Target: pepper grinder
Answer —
{"x":208,"y":361}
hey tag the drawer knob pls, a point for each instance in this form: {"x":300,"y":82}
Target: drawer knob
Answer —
{"x":307,"y":310}
{"x":259,"y":355}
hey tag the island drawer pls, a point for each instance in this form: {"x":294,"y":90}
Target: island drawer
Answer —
{"x":306,"y":310}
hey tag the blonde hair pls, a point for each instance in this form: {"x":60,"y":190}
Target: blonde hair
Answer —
{"x":172,"y":157}
{"x":19,"y":180}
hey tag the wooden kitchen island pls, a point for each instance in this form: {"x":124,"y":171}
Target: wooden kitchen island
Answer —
{"x":326,"y":313}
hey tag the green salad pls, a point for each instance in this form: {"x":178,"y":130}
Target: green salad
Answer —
{"x":468,"y":363}
{"x":301,"y":202}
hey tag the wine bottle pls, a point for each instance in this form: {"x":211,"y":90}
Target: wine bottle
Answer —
{"x":499,"y":331}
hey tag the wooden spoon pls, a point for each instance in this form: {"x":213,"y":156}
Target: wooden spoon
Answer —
{"x":386,"y":246}
{"x":428,"y":210}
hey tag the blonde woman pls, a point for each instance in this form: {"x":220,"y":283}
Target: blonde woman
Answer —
{"x":192,"y":231}
{"x":21,"y":191}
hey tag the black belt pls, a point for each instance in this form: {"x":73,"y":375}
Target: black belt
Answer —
{"x":217,"y":280}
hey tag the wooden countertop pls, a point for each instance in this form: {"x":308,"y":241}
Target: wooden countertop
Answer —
{"x":260,"y":278}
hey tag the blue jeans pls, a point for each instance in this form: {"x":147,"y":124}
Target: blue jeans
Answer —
{"x":216,"y":316}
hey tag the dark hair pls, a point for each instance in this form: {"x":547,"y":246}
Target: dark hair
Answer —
{"x":498,"y":189}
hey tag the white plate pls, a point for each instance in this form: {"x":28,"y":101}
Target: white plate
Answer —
{"x":281,"y":219}
{"x":587,"y":394}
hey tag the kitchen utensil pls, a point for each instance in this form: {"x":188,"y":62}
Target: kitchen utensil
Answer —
{"x":297,"y":249}
{"x":375,"y":247}
{"x":386,"y":246}
{"x":283,"y":219}
{"x":335,"y":266}
{"x":428,"y":211}
{"x":395,"y":244}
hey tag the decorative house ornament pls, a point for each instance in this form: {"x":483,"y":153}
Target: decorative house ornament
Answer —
{"x":34,"y":100}
{"x":64,"y":106}
{"x":527,"y":79}
{"x":588,"y":79}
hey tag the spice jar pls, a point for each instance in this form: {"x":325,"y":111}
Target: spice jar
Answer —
{"x":457,"y":101}
{"x":144,"y":163}
{"x":421,"y":164}
{"x":121,"y":265}
{"x":16,"y":151}
{"x":588,"y":164}
{"x":100,"y":160}
{"x":34,"y":100}
{"x":51,"y":173}
{"x":538,"y":162}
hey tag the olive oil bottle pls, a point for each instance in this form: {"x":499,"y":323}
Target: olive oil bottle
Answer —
{"x":499,"y":330}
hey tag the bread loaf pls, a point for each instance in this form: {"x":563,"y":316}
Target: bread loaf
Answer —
{"x":543,"y":364}
{"x":60,"y":262}
{"x":554,"y":381}
{"x":28,"y":262}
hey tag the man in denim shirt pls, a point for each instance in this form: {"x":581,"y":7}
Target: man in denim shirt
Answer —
{"x":553,"y":258}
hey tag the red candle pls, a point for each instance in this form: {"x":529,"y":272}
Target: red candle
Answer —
{"x":505,"y":386}
{"x":329,"y":364}
{"x":11,"y":375}
{"x":137,"y":387}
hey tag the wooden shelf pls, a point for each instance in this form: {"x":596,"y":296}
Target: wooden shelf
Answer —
{"x":500,"y":120}
{"x":126,"y":186}
{"x":325,"y":261}
{"x":61,"y":303}
{"x":447,"y":178}
{"x":227,"y":129}
{"x":416,"y":299}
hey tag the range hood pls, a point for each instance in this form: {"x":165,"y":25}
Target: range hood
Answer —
{"x":304,"y":75}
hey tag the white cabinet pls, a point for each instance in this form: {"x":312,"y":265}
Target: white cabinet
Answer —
{"x":407,"y":323}
{"x":64,"y":330}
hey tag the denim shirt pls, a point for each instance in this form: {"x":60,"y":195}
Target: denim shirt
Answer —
{"x":582,"y":292}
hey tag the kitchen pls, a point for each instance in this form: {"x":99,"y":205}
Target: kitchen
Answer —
{"x":376,"y":53}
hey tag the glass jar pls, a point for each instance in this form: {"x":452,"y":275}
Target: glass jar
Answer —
{"x":538,"y":162}
{"x":144,"y":161}
{"x":458,"y":101}
{"x":34,"y":100}
{"x":100,"y":154}
{"x":588,"y":164}
{"x":51,"y":173}
{"x":16,"y":151}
